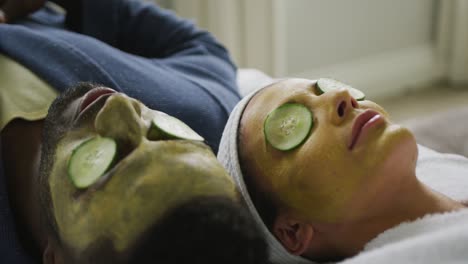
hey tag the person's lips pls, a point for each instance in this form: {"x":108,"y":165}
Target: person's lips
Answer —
{"x":363,"y":122}
{"x":90,"y":99}
{"x":92,"y":96}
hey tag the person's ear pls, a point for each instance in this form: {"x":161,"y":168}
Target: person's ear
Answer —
{"x":51,"y":254}
{"x":296,"y":236}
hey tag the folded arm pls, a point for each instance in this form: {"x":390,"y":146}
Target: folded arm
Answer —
{"x":130,"y":25}
{"x":148,"y":31}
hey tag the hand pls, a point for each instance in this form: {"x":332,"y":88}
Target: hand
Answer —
{"x":10,"y":10}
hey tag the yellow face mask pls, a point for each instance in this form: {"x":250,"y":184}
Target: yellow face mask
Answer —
{"x":335,"y":171}
{"x":151,"y":177}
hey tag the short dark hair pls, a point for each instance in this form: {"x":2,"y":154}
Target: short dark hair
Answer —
{"x":50,"y":138}
{"x":203,"y":230}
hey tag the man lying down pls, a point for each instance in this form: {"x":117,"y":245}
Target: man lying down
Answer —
{"x":114,"y":188}
{"x":328,"y":176}
{"x":105,"y":175}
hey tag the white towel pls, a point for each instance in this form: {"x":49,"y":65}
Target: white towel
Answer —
{"x":445,"y":173}
{"x":438,"y":238}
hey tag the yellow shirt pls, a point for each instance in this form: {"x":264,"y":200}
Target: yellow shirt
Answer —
{"x":22,"y":93}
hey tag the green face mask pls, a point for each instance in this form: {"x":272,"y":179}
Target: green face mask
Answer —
{"x":147,"y":178}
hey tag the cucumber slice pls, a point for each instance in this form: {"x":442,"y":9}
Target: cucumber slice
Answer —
{"x":288,"y":126}
{"x":325,"y":85}
{"x":90,"y":160}
{"x":166,"y":126}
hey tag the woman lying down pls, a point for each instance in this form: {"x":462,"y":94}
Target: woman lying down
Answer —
{"x":328,"y":176}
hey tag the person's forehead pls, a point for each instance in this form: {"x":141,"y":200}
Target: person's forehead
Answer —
{"x":282,"y":90}
{"x":291,"y":85}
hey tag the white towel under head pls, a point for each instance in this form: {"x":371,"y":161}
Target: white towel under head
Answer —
{"x":432,"y":239}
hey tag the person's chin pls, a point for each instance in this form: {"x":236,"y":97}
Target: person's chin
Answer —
{"x":392,"y":141}
{"x":398,"y":146}
{"x":400,"y":135}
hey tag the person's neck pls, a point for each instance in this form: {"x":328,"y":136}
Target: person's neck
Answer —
{"x":411,"y":201}
{"x":21,"y":143}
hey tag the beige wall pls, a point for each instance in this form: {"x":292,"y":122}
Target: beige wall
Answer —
{"x":327,"y":32}
{"x":381,"y":46}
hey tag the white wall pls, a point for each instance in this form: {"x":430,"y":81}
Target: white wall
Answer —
{"x":380,"y":46}
{"x":452,"y":40}
{"x":321,"y":33}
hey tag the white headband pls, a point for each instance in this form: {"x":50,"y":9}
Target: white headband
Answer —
{"x":229,"y":157}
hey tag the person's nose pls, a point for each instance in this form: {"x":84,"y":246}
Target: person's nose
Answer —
{"x":341,"y":105}
{"x":120,"y":119}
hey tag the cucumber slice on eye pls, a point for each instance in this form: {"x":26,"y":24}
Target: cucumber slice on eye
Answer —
{"x":90,"y":160}
{"x":288,"y":126}
{"x":164,"y":126}
{"x":325,"y":85}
